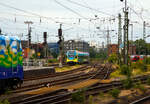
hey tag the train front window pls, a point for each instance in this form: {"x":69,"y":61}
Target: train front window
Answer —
{"x":71,"y":55}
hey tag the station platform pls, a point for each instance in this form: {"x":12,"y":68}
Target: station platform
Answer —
{"x":26,"y":68}
{"x":32,"y":71}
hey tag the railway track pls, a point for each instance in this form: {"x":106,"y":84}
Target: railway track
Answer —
{"x":64,"y":80}
{"x":57,"y":74}
{"x":143,"y":100}
{"x":65,"y":96}
{"x":62,"y":96}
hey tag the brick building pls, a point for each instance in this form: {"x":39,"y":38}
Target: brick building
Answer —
{"x":113,"y":48}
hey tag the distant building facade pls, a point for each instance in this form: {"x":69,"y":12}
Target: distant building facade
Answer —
{"x":24,"y":44}
{"x":76,"y":45}
{"x":113,"y":48}
{"x":53,"y":47}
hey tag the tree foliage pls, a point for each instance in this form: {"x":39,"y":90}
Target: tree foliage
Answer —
{"x":142,"y":47}
{"x":102,"y":54}
{"x":126,"y":70}
{"x":113,"y":58}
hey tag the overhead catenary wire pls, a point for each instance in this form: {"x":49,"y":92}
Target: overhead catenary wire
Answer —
{"x":5,"y":5}
{"x":34,"y":14}
{"x":71,"y":10}
{"x":89,"y":8}
{"x":24,"y":11}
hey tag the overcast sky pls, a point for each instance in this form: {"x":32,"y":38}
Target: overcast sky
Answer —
{"x":80,"y":18}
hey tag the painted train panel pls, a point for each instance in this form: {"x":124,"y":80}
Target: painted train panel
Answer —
{"x":11,"y":67}
{"x":74,"y":56}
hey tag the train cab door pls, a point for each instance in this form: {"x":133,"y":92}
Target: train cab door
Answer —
{"x":14,"y":56}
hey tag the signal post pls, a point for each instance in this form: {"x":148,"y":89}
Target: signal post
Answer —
{"x":60,"y":42}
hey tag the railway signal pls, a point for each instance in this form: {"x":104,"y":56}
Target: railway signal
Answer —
{"x":60,"y":46}
{"x":45,"y":37}
{"x":45,"y":44}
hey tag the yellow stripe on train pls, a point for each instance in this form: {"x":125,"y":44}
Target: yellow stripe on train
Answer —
{"x":74,"y":60}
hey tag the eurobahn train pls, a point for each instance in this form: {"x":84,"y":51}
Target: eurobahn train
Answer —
{"x":74,"y":56}
{"x":11,"y":62}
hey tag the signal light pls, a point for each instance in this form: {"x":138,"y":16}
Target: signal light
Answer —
{"x":45,"y":34}
{"x":59,"y":32}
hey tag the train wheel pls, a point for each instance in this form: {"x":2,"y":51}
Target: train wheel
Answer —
{"x":16,"y":84}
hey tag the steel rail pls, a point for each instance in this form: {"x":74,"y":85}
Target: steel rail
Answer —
{"x":72,"y":78}
{"x":57,"y":74}
{"x":35,"y":98}
{"x":139,"y":101}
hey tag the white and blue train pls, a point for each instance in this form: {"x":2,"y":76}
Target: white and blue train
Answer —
{"x":74,"y":56}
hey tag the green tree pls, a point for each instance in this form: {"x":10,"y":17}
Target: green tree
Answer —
{"x":148,"y":49}
{"x":92,"y":52}
{"x":141,"y":46}
{"x":113,"y":58}
{"x":54,"y":54}
{"x":101,"y":54}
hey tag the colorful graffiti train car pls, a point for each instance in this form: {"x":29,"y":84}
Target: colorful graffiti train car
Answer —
{"x":11,"y":67}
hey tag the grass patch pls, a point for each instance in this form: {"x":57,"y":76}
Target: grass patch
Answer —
{"x":79,"y":96}
{"x":137,"y":72}
{"x":139,"y":65}
{"x":4,"y":102}
{"x":116,"y":74}
{"x":53,"y":61}
{"x":148,"y":67}
{"x":66,"y":68}
{"x":115,"y":93}
{"x":90,"y":99}
{"x":101,"y":94}
{"x":140,"y":86}
{"x":148,"y":81}
{"x":127,"y":83}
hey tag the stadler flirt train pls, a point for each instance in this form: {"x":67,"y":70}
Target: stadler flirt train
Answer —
{"x":74,"y":56}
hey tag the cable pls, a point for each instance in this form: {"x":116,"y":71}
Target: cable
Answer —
{"x":140,"y":16}
{"x":70,"y":9}
{"x":38,"y":17}
{"x":5,"y":5}
{"x":89,"y":7}
{"x":34,"y":14}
